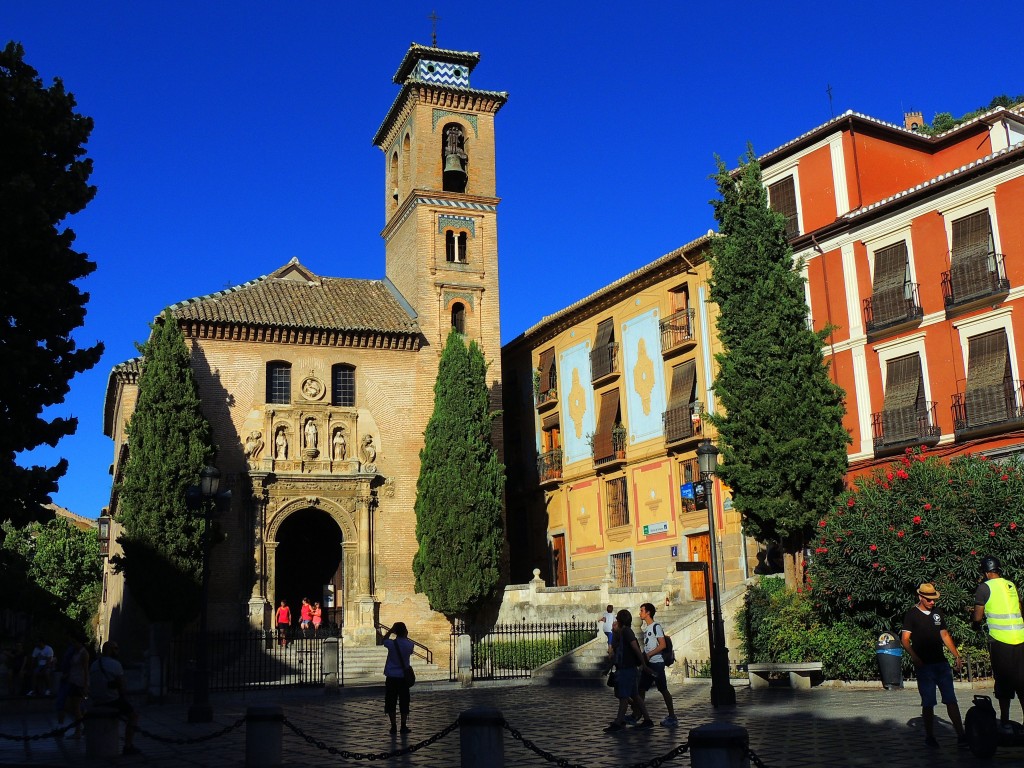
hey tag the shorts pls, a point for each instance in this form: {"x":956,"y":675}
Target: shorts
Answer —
{"x":609,"y":636}
{"x":655,"y":677}
{"x":1007,"y":669}
{"x":626,"y":682}
{"x":932,"y":676}
{"x":396,"y":691}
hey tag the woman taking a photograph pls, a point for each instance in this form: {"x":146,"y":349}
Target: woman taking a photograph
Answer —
{"x":396,"y":686}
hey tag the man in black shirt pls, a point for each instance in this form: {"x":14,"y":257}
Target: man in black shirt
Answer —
{"x":924,"y":635}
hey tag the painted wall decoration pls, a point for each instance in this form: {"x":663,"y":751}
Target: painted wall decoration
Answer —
{"x":577,"y":402}
{"x":644,"y":377}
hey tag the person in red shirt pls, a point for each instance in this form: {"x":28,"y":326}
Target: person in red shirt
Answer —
{"x":284,"y":622}
{"x":305,"y":617}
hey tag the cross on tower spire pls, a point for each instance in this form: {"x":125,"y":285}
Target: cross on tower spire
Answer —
{"x":434,"y":18}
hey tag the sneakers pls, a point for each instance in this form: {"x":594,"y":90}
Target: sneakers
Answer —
{"x":644,"y":724}
{"x":670,"y":721}
{"x":613,"y":727}
{"x":931,"y":741}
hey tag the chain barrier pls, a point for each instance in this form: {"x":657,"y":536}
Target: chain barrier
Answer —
{"x":369,"y":755}
{"x":57,"y":732}
{"x":561,"y":762}
{"x":195,"y":739}
{"x":758,"y":763}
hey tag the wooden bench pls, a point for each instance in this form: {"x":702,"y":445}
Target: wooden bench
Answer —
{"x":799,"y":673}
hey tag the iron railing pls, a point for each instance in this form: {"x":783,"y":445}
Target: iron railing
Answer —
{"x":677,"y":330}
{"x":547,"y":397}
{"x":682,"y":423}
{"x":975,"y":275}
{"x":418,"y":648}
{"x":993,"y":407}
{"x":901,"y":427}
{"x":604,"y":361}
{"x":515,"y":650}
{"x":549,"y":465}
{"x":248,"y":660}
{"x":618,"y":449}
{"x":891,"y":307}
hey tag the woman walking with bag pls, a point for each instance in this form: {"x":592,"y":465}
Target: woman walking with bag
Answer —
{"x":398,"y":675}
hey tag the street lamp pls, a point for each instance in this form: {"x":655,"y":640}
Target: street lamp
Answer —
{"x":722,"y":693}
{"x":206,"y":495}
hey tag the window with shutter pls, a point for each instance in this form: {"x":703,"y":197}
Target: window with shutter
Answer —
{"x":618,"y":506}
{"x":782,"y":198}
{"x":603,"y":356}
{"x":890,"y":288}
{"x":607,"y":417}
{"x":903,"y":407}
{"x":989,"y":393}
{"x":678,"y":421}
{"x":972,"y":265}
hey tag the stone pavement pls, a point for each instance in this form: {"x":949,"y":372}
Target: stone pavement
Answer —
{"x":821,"y":727}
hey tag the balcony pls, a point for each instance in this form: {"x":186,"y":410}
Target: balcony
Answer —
{"x":677,"y":333}
{"x":549,"y":467}
{"x":546,"y":399}
{"x":617,"y":455}
{"x":988,"y":410}
{"x":604,"y":363}
{"x":683,"y":424}
{"x":900,"y":428}
{"x":892,"y":308}
{"x":976,"y":277}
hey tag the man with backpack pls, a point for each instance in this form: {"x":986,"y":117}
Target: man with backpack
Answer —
{"x":656,"y":647}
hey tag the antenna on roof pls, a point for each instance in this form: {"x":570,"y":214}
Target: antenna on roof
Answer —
{"x":434,"y":18}
{"x":828,"y":90}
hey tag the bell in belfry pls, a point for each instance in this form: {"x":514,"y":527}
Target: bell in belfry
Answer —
{"x":455,"y":160}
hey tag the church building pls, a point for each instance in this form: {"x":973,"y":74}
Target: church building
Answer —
{"x":319,"y":388}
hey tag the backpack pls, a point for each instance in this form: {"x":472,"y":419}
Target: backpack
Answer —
{"x":668,"y":654}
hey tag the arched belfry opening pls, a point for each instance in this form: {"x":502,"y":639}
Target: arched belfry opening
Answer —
{"x":310,"y":563}
{"x":454,"y":158}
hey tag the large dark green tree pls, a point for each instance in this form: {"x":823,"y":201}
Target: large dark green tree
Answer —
{"x":43,"y":180}
{"x":459,"y":524}
{"x":169,"y":443}
{"x":780,"y":416}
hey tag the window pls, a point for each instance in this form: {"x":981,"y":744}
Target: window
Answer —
{"x":904,"y":404}
{"x":615,"y":498}
{"x":990,"y":395}
{"x":607,"y":418}
{"x":547,"y":372}
{"x":279,"y":383}
{"x":622,"y":569}
{"x":453,"y":158}
{"x":892,"y":294}
{"x":455,"y":247}
{"x":782,"y":198}
{"x":975,"y":270}
{"x":679,"y":415}
{"x":459,"y":317}
{"x":343,"y":389}
{"x":604,"y":357}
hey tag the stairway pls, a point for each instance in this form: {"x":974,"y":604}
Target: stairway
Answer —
{"x":364,"y":665}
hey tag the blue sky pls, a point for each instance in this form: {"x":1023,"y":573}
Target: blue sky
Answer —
{"x":232,"y":135}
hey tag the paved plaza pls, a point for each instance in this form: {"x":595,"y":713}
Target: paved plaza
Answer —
{"x":821,"y":727}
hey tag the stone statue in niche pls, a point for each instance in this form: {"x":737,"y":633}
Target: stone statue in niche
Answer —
{"x":254,"y":445}
{"x":369,"y":454}
{"x":339,"y":444}
{"x":311,"y":434}
{"x":281,"y":444}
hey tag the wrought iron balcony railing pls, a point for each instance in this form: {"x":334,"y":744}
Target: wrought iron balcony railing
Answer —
{"x":900,"y":428}
{"x":604,"y":361}
{"x":610,"y":453}
{"x":682,"y":423}
{"x":988,"y":409}
{"x":973,"y":276}
{"x":549,"y":466}
{"x":677,"y":331}
{"x":892,"y":307}
{"x":546,"y":399}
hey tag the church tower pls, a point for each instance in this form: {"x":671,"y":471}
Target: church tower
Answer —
{"x":441,"y":210}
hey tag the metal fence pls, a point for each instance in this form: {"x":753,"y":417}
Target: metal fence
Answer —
{"x":513,"y":651}
{"x":973,"y":669}
{"x":248,"y":660}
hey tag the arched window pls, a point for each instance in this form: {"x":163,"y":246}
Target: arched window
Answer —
{"x":459,"y":317}
{"x":455,"y":247}
{"x":394,"y":177}
{"x":343,"y":389}
{"x":454,"y":160}
{"x":279,"y":382}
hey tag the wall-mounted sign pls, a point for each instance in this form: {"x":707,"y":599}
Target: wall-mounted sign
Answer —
{"x":675,"y":551}
{"x":655,"y":528}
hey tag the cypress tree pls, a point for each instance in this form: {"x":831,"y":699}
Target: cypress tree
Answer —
{"x":459,"y":493}
{"x":169,"y":443}
{"x":780,"y":417}
{"x":43,"y":179}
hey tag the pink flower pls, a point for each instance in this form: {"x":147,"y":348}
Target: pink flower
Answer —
{"x":927,"y":506}
{"x":874,"y":565}
{"x":900,"y":534}
{"x":996,"y":525}
{"x":901,"y":474}
{"x":821,"y":523}
{"x":927,"y":533}
{"x":908,"y":451}
{"x":888,"y":475}
{"x":917,"y":520}
{"x":851,"y":501}
{"x":821,"y":550}
{"x":874,"y":548}
{"x":1013,"y":526}
{"x":974,"y":551}
{"x":1004,"y":478}
{"x":923,"y":557}
{"x":991,"y":534}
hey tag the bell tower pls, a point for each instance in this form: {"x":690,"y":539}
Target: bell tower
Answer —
{"x":439,"y":198}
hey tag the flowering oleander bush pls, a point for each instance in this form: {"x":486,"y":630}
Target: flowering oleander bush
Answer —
{"x":921,"y":519}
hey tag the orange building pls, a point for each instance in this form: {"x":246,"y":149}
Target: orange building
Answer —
{"x":914,"y":254}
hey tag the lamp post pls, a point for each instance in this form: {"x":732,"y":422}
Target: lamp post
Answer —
{"x":722,"y":693}
{"x":206,"y":495}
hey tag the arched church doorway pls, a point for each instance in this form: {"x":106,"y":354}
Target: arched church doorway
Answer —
{"x":310,"y":564}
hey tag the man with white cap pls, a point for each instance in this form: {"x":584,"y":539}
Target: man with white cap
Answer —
{"x":924,"y":635}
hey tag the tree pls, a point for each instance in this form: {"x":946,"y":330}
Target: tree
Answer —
{"x":169,"y":443}
{"x":43,"y":179}
{"x":52,"y":572}
{"x":781,"y":417}
{"x":459,"y":525}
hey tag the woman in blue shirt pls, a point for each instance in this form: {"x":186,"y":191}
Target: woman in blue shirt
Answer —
{"x":396,"y":687}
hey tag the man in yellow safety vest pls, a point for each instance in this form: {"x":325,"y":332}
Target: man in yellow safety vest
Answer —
{"x":998,"y":602}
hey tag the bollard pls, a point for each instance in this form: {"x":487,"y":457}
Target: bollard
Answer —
{"x":329,"y":664}
{"x":263,"y":726}
{"x":719,"y":745}
{"x":481,"y":738}
{"x":464,"y":660}
{"x":102,"y":732}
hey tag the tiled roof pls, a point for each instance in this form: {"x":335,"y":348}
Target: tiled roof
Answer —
{"x":295,"y":297}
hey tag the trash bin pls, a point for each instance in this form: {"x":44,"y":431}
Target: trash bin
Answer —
{"x":890,"y":661}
